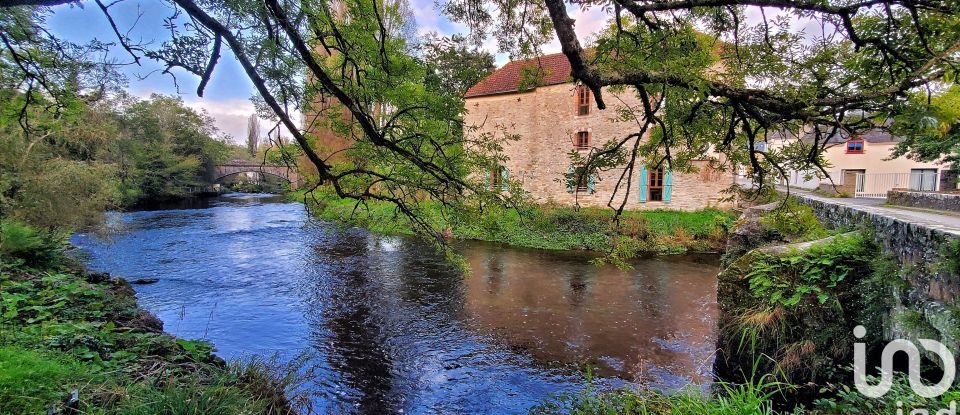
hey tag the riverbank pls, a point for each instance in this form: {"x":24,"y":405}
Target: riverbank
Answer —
{"x":789,"y":297}
{"x":73,"y":341}
{"x":544,"y":226}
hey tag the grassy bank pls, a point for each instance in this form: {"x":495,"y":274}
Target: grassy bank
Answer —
{"x":755,"y":398}
{"x":544,"y":226}
{"x":77,"y":342}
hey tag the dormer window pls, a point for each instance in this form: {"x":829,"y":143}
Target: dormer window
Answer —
{"x":582,"y":140}
{"x":583,"y":100}
{"x":855,"y":146}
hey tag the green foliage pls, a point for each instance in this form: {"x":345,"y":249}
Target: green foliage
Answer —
{"x":191,"y":396}
{"x":752,"y":398}
{"x":794,"y":222}
{"x":845,"y":400}
{"x":60,"y":331}
{"x":31,"y":380}
{"x":914,"y":322}
{"x":98,"y":153}
{"x":796,"y":308}
{"x":164,"y":149}
{"x":809,"y":274}
{"x":21,"y":241}
{"x":453,"y":66}
{"x":545,"y":227}
{"x":950,"y":257}
{"x":930,"y":124}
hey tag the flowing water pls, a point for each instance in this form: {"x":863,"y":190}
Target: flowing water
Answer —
{"x":391,"y":328}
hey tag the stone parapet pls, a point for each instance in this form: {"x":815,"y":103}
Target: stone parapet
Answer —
{"x":949,"y":201}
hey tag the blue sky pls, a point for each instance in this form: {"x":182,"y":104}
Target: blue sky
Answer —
{"x":227,"y":96}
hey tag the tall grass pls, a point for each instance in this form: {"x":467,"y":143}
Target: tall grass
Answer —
{"x":752,"y":398}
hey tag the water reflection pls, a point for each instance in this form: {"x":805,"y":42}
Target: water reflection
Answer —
{"x":654,"y":323}
{"x":392,"y":327}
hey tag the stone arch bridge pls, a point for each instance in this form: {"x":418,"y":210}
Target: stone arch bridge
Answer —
{"x":285,"y":172}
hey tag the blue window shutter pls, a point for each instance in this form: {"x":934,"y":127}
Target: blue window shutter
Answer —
{"x":591,"y":183}
{"x":504,"y":176}
{"x":667,"y":185}
{"x":570,"y":179}
{"x":644,"y":180}
{"x":486,"y":178}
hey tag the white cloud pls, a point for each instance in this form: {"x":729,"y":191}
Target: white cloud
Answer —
{"x":230,"y":116}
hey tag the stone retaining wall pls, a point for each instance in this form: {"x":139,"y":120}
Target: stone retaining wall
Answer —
{"x":928,"y":200}
{"x":931,"y":292}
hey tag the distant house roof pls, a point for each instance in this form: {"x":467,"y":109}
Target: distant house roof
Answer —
{"x":555,"y":69}
{"x":872,"y":135}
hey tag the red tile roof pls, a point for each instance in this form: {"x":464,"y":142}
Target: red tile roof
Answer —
{"x":556,"y":70}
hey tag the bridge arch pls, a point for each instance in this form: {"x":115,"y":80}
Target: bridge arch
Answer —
{"x":241,"y":166}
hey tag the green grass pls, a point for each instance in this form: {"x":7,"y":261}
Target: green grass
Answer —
{"x":736,"y":400}
{"x":63,"y":330}
{"x":794,"y":222}
{"x":754,"y":398}
{"x":30,"y":380}
{"x":543,"y":227}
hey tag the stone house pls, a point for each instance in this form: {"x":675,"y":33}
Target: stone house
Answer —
{"x":558,"y":116}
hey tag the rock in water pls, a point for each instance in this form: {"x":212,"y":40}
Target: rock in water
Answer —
{"x":97,"y":277}
{"x":143,"y":281}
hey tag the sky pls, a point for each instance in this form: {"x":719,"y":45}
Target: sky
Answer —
{"x":227,"y":96}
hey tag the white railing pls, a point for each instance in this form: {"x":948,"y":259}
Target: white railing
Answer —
{"x":876,"y":185}
{"x":810,"y":179}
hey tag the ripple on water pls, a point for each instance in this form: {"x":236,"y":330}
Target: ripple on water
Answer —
{"x":391,"y":327}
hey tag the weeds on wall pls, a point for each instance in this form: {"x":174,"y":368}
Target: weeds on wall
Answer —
{"x":794,"y":222}
{"x":949,"y":260}
{"x":798,"y":308}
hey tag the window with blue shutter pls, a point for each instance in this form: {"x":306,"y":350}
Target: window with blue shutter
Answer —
{"x":667,"y":185}
{"x":643,"y":184}
{"x":504,"y":177}
{"x":643,"y":180}
{"x":592,"y":183}
{"x":570,"y":179}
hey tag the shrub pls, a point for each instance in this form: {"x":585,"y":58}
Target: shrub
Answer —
{"x":21,"y":241}
{"x":796,"y":308}
{"x":794,"y":222}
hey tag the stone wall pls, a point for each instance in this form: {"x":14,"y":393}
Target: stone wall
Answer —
{"x":928,"y":200}
{"x":949,"y":181}
{"x":546,"y":121}
{"x":930,"y":292}
{"x":916,"y":296}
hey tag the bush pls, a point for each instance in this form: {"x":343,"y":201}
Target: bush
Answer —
{"x":794,"y":222}
{"x":21,"y":241}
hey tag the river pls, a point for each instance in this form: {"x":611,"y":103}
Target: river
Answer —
{"x":389,"y":327}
